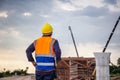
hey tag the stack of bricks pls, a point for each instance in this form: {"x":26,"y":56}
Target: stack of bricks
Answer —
{"x":76,"y":68}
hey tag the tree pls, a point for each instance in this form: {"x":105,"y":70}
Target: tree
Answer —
{"x":118,"y":62}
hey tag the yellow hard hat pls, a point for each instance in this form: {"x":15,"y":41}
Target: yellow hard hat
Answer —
{"x":47,"y":29}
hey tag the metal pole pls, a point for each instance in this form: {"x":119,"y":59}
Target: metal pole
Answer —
{"x":111,"y":34}
{"x":73,"y":41}
{"x":108,"y":42}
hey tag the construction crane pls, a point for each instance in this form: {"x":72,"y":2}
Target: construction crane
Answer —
{"x":106,"y":45}
{"x":73,"y":41}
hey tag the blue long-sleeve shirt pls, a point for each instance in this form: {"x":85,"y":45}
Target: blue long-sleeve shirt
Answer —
{"x":31,"y":49}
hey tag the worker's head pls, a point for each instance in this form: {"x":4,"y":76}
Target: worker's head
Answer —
{"x":47,"y":29}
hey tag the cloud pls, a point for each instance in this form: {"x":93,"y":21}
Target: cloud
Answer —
{"x":113,"y":5}
{"x":27,"y":14}
{"x":86,"y":3}
{"x":10,"y":32}
{"x":3,"y":14}
{"x":66,"y":6}
{"x":11,"y":38}
{"x":77,"y":5}
{"x":114,"y":8}
{"x":81,"y":5}
{"x":94,"y":11}
{"x":84,"y":49}
{"x":45,"y":16}
{"x":110,"y":1}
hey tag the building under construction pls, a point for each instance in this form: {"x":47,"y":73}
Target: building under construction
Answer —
{"x":80,"y":68}
{"x":74,"y":68}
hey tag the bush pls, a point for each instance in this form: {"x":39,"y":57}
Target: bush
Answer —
{"x":19,"y":72}
{"x":15,"y":72}
{"x":115,"y":70}
{"x":1,"y":74}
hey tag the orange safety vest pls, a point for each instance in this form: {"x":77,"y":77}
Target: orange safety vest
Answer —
{"x":44,"y":53}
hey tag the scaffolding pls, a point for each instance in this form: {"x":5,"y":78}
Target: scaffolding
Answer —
{"x":74,"y":68}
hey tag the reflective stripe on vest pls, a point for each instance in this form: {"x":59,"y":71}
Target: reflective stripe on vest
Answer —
{"x":45,"y":61}
{"x":45,"y":64}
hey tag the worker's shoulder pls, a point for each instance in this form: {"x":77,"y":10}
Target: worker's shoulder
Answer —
{"x":55,"y":40}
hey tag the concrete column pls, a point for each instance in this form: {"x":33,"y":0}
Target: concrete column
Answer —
{"x":102,"y":65}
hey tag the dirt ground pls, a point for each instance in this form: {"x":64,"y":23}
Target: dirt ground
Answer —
{"x":115,"y":78}
{"x":32,"y":77}
{"x":28,"y":77}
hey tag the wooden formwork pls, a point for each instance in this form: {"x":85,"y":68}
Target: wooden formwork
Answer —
{"x":74,"y":68}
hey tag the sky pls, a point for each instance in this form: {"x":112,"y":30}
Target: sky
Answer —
{"x":91,"y":21}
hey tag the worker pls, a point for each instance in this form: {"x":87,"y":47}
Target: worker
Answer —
{"x":47,"y":54}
